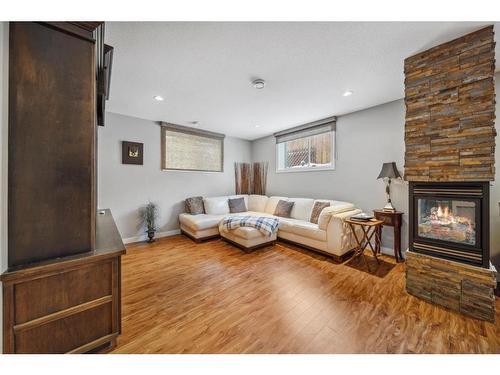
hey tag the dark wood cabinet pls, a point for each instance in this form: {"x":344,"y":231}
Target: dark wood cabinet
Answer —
{"x":52,"y":141}
{"x":61,"y":292}
{"x":395,"y":220}
{"x":66,"y":305}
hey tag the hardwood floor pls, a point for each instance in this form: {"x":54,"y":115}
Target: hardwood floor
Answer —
{"x":183,"y":297}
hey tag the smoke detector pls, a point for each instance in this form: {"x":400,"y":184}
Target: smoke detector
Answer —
{"x":259,"y":83}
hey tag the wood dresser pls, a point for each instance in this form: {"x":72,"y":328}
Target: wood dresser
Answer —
{"x":66,"y":305}
{"x":61,"y":292}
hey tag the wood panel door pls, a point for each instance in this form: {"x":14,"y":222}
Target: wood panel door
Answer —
{"x":52,"y":136}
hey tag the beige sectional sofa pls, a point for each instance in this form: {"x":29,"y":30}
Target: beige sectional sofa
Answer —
{"x":329,"y":236}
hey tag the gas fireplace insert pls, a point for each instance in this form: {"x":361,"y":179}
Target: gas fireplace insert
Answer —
{"x":450,"y":220}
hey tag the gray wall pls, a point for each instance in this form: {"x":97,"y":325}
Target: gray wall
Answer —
{"x":365,"y":140}
{"x":124,"y":188}
{"x":3,"y":153}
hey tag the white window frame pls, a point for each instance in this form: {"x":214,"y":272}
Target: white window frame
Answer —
{"x":280,"y":159}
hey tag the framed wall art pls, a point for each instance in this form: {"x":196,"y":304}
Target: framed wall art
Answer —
{"x":132,"y":153}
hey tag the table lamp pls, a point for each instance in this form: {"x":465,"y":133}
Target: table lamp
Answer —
{"x":388,"y":172}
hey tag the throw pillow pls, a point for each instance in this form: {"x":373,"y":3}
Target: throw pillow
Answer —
{"x":317,"y":208}
{"x":194,"y":206}
{"x":283,"y":208}
{"x":237,"y":205}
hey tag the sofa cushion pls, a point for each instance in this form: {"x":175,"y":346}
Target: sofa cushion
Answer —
{"x":271,"y":204}
{"x":194,"y":205}
{"x":257,"y":203}
{"x":331,"y":201}
{"x":301,"y":228}
{"x":244,"y":196}
{"x":286,"y":224}
{"x":302,"y":208}
{"x":200,"y":222}
{"x":216,"y":205}
{"x":309,"y":230}
{"x":316,"y":211}
{"x":245,"y":232}
{"x":237,"y":205}
{"x":284,"y":208}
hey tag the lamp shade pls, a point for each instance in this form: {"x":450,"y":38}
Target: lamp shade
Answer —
{"x":389,"y":170}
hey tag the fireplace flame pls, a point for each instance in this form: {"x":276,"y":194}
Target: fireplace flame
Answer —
{"x":443,"y":213}
{"x":441,"y":222}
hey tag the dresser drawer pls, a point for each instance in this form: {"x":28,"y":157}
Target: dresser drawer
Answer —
{"x":66,"y":334}
{"x":42,"y":296}
{"x":389,"y":219}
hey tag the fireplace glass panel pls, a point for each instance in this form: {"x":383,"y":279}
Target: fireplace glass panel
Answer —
{"x":447,"y":220}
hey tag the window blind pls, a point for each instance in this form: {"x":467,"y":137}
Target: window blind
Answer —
{"x":307,"y":130}
{"x":189,"y":149}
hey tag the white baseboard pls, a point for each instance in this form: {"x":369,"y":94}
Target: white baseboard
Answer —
{"x":144,"y":237}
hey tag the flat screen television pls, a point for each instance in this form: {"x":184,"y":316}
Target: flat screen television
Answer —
{"x":104,"y":84}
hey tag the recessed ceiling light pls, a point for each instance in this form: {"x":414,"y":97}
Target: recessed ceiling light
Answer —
{"x":257,"y":126}
{"x":347,"y":93}
{"x":158,"y":98}
{"x":259,"y":83}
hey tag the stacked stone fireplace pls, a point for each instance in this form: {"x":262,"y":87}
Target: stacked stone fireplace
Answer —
{"x":449,"y":161}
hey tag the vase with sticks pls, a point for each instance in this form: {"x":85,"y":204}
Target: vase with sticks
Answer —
{"x":150,"y":214}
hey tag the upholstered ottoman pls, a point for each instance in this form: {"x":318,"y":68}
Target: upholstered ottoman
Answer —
{"x":246,"y":238}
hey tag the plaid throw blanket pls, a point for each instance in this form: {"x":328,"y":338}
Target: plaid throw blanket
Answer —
{"x":267,"y":225}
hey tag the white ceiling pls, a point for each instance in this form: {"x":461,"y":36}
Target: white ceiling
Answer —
{"x":204,"y":69}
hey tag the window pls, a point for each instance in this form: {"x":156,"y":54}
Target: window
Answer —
{"x":190,"y":149}
{"x":306,"y":148}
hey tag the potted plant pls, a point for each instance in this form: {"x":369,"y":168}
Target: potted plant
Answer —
{"x":149,"y":217}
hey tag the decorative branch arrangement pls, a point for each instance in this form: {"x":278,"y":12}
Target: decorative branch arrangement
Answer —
{"x":149,"y":214}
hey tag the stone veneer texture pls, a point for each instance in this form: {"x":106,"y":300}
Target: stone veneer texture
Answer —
{"x":450,"y":110}
{"x":460,"y":287}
